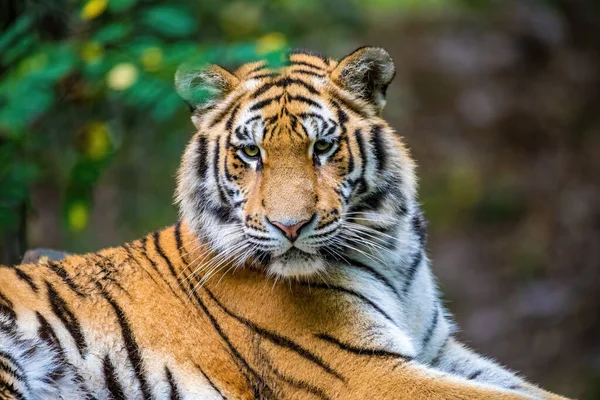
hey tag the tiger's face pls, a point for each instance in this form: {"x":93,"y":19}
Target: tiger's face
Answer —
{"x":291,"y":168}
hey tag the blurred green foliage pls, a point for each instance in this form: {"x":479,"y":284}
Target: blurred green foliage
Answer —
{"x":82,"y":81}
{"x":87,"y":83}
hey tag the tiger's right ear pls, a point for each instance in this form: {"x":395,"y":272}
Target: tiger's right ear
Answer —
{"x":203,"y":87}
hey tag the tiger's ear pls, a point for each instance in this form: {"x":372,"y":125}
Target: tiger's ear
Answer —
{"x":366,"y":72}
{"x":203,"y":87}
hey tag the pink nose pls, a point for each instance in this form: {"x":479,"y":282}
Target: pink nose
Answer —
{"x":290,"y":231}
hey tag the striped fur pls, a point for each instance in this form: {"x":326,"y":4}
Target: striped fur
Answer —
{"x":223,"y":305}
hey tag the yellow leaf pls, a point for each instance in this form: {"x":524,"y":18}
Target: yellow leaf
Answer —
{"x":93,"y":9}
{"x":122,"y":76}
{"x":152,"y":57}
{"x":270,"y":42}
{"x":98,"y":141}
{"x":77,"y":216}
{"x":91,"y":51}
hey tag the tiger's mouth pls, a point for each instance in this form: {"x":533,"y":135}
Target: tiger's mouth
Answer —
{"x":296,"y":263}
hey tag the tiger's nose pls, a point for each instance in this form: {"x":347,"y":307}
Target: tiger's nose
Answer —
{"x":290,"y":231}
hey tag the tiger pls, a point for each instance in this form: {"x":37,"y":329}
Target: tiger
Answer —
{"x":297,"y":268}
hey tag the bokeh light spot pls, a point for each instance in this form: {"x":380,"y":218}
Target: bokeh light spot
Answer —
{"x":91,"y":52}
{"x":240,"y":18}
{"x":77,"y":216}
{"x":271,"y":42}
{"x":93,"y":9}
{"x":98,"y":141}
{"x":122,"y":76}
{"x":152,"y":58}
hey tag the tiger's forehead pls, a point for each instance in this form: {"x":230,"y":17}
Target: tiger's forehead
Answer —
{"x":290,"y":101}
{"x":297,"y":61}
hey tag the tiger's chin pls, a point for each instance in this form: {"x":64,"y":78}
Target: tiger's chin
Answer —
{"x":295,"y":263}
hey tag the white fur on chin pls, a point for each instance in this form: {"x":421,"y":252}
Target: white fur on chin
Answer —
{"x":296,"y":264}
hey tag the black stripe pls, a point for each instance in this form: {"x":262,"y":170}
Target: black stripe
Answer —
{"x":13,"y":361}
{"x":226,"y":110}
{"x":433,"y":324}
{"x":115,"y":390}
{"x":378,"y":148}
{"x":298,"y":384}
{"x":304,"y":99}
{"x":372,"y":201}
{"x":412,"y":271}
{"x":474,"y":375}
{"x":7,"y":368}
{"x":175,"y":395}
{"x":361,"y":351}
{"x":348,"y":104}
{"x":278,"y":339}
{"x":179,"y":241}
{"x":419,"y":226}
{"x":362,"y":182}
{"x":306,"y":64}
{"x":217,"y":156}
{"x":263,"y":103}
{"x":212,"y":384}
{"x":229,"y":123}
{"x":201,"y":155}
{"x":108,"y":267}
{"x":350,"y":156}
{"x":69,"y":320}
{"x":240,"y":134}
{"x":350,"y":292}
{"x":11,"y":390}
{"x":342,"y":116}
{"x":307,"y":72}
{"x":284,"y":83}
{"x":256,"y":69}
{"x":27,"y":279}
{"x":259,"y":387}
{"x":47,"y":334}
{"x":265,"y":75}
{"x":144,"y":250}
{"x":252,"y":119}
{"x":436,"y":359}
{"x":161,"y":253}
{"x":223,"y":214}
{"x":381,"y":278}
{"x":131,"y":346}
{"x":64,"y":276}
{"x":7,"y":309}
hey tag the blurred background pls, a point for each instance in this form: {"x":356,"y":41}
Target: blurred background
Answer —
{"x":498,"y":100}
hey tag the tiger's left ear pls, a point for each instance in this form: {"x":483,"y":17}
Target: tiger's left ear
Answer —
{"x":203,"y":87}
{"x":366,"y":72}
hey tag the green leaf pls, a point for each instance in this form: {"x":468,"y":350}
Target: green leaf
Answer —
{"x":120,"y":5}
{"x":167,"y":106}
{"x":170,"y":21}
{"x":22,"y":47}
{"x":112,"y":33}
{"x":18,"y":28}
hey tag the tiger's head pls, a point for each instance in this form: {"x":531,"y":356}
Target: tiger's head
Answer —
{"x":293,"y":167}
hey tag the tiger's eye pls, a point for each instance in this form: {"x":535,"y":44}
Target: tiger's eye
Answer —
{"x":322,"y":146}
{"x":251,"y":150}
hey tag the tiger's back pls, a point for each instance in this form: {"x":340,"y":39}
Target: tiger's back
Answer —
{"x":121,"y":324}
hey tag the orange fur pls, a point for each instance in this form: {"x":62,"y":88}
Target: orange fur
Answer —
{"x":168,"y":322}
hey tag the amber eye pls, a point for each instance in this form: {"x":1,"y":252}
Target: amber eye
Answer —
{"x":251,"y":151}
{"x":322,"y":146}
